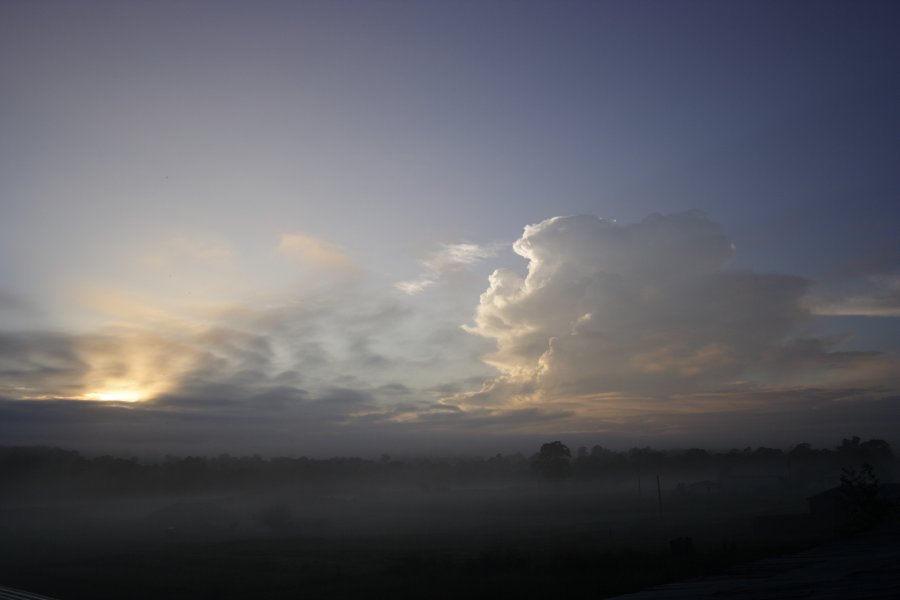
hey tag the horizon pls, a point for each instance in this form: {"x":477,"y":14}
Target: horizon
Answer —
{"x":525,"y":454}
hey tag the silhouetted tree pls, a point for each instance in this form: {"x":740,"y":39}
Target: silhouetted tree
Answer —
{"x":554,"y":461}
{"x":862,"y":494}
{"x":602,"y":453}
{"x":876,"y":451}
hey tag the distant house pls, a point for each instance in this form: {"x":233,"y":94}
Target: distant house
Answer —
{"x":830,"y":507}
{"x":834,"y":509}
{"x":830,"y":511}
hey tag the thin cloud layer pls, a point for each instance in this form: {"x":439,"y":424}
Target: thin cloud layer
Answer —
{"x":315,"y":252}
{"x":867,"y":286}
{"x":875,"y":295}
{"x":449,"y":258}
{"x":207,"y":251}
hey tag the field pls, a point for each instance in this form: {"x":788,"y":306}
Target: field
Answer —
{"x":530,"y":541}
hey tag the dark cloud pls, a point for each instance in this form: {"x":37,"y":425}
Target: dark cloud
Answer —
{"x":40,"y":364}
{"x":393,"y":390}
{"x":353,"y":422}
{"x":773,"y":416}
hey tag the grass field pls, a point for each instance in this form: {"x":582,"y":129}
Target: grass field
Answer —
{"x":509,"y":542}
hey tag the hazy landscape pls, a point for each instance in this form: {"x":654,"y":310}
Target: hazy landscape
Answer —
{"x":228,"y":527}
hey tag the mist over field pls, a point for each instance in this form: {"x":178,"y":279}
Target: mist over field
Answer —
{"x":606,"y":522}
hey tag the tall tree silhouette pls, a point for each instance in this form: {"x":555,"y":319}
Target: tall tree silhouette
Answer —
{"x":554,"y":461}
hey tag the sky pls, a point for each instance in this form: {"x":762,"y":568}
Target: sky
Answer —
{"x":446,"y":227}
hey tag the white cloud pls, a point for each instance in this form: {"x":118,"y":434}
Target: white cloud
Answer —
{"x":449,"y":258}
{"x":414,"y":286}
{"x":646,"y":308}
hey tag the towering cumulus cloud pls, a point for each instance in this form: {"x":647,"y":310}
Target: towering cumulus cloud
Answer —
{"x":644,"y":309}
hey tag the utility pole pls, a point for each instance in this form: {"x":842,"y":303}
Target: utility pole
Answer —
{"x":659,"y":496}
{"x":639,"y":481}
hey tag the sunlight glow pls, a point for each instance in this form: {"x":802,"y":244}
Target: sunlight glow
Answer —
{"x":115,"y":396}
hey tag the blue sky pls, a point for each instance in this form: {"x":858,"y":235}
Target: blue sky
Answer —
{"x":214,"y":210}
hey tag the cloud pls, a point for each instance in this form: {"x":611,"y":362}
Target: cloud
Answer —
{"x":19,"y":312}
{"x":643,"y":309}
{"x":342,"y":336}
{"x":14,"y":303}
{"x":116,"y":363}
{"x":869,"y":296}
{"x":619,"y":330}
{"x":290,"y":421}
{"x":314,"y":252}
{"x":114,"y":304}
{"x":867,"y":286}
{"x":447,"y":259}
{"x":36,"y":364}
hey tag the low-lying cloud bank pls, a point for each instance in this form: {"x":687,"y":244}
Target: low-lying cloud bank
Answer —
{"x":876,"y":295}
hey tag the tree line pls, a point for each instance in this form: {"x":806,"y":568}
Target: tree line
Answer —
{"x":32,"y":471}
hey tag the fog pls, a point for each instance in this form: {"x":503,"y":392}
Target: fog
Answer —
{"x":602,"y":521}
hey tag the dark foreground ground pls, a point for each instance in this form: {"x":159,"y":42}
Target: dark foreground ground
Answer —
{"x":867,"y":567}
{"x":509,"y":543}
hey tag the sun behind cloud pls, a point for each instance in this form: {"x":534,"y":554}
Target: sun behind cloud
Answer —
{"x":126,"y":395}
